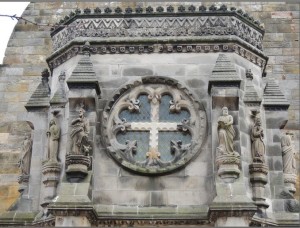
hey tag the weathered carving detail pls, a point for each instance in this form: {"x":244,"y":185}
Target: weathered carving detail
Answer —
{"x":157,"y":26}
{"x":78,"y":160}
{"x":289,"y":162}
{"x":258,"y":145}
{"x":53,"y":139}
{"x":58,"y":58}
{"x":180,"y":152}
{"x":24,"y":162}
{"x":258,"y":169}
{"x":79,"y":133}
{"x":227,"y":160}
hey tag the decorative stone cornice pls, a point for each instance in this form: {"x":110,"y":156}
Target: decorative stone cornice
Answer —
{"x":158,"y":12}
{"x":224,"y":44}
{"x":273,"y":98}
{"x":121,"y":32}
{"x":40,"y":97}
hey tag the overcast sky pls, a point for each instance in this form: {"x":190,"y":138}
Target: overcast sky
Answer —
{"x":7,"y":24}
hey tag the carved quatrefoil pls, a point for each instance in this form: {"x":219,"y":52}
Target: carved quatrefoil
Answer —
{"x":154,"y":126}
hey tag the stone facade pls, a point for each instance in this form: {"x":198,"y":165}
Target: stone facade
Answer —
{"x":249,"y":67}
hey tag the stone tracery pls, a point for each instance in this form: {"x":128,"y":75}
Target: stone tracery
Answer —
{"x":157,"y":109}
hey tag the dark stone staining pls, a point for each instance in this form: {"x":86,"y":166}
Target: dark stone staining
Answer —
{"x":135,"y":71}
{"x":158,"y":199}
{"x":237,"y":146}
{"x":278,"y":205}
{"x":243,"y":126}
{"x":195,"y":83}
{"x":243,"y":141}
{"x":276,"y":178}
{"x":276,"y":138}
{"x":278,"y":165}
{"x":232,"y":103}
{"x":273,"y":150}
{"x":270,"y":163}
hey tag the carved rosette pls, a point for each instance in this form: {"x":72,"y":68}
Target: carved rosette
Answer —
{"x":258,"y":179}
{"x":228,"y":166}
{"x":77,"y":166}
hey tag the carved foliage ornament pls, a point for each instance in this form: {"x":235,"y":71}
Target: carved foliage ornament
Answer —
{"x":154,"y":127}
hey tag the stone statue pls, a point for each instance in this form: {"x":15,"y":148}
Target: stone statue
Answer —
{"x":288,"y":155}
{"x":226,"y":133}
{"x":79,"y":133}
{"x":25,"y":156}
{"x":258,"y":146}
{"x":53,"y":137}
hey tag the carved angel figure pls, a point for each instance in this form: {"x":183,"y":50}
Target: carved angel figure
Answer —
{"x":53,"y":136}
{"x":288,"y":155}
{"x":258,"y":146}
{"x":25,"y":156}
{"x":79,"y":133}
{"x":226,"y":133}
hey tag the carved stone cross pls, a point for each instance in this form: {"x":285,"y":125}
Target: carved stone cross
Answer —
{"x":154,"y":126}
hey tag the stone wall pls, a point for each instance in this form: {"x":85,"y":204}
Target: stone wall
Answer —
{"x":30,"y":45}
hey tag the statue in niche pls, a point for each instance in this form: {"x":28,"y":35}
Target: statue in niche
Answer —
{"x":258,"y":146}
{"x":25,"y":156}
{"x":288,"y":154}
{"x":79,"y":134}
{"x":53,"y":137}
{"x":226,"y":134}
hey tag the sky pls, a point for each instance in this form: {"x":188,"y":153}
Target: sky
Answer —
{"x":7,"y":24}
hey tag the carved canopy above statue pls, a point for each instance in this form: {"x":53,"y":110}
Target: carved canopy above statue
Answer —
{"x":154,"y":126}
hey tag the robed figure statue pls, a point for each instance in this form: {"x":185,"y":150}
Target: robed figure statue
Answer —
{"x":226,"y":133}
{"x":258,"y":146}
{"x":25,"y":156}
{"x":288,"y":155}
{"x":79,"y":134}
{"x":53,"y":137}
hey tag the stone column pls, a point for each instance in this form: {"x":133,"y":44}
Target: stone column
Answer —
{"x":258,"y":169}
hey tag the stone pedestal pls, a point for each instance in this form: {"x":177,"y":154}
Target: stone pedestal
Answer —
{"x":77,"y":167}
{"x":228,"y":167}
{"x":258,"y":179}
{"x":290,"y":182}
{"x":51,"y":172}
{"x":232,"y":221}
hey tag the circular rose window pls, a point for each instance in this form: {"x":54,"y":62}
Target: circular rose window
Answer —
{"x":154,"y":126}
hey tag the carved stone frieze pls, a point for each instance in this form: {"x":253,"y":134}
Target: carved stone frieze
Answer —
{"x":172,"y":26}
{"x":156,"y":126}
{"x":57,"y":58}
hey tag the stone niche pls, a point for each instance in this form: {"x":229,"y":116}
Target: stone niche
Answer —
{"x":138,"y":98}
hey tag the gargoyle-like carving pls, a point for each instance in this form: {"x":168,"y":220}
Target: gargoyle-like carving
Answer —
{"x":178,"y":149}
{"x":130,"y":149}
{"x":185,"y":126}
